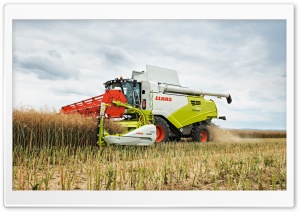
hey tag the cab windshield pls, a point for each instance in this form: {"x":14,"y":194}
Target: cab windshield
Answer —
{"x":132,"y":95}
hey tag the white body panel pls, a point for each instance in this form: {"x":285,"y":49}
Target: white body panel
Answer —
{"x":164,"y":82}
{"x":166,"y":104}
{"x":162,"y":75}
{"x":157,"y":75}
{"x":143,"y":136}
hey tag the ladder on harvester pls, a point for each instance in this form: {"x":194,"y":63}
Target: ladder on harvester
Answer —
{"x":136,"y":98}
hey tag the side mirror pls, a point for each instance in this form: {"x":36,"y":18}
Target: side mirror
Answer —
{"x":134,"y":82}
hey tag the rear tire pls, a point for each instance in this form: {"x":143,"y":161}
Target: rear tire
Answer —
{"x":201,"y":134}
{"x":162,"y":130}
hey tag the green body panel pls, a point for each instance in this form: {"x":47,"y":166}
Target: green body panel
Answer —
{"x":198,"y":109}
{"x":147,"y":115}
{"x":129,"y":124}
{"x":102,"y":132}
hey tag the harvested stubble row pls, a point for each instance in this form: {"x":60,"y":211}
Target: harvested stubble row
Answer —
{"x":58,"y":152}
{"x":257,"y":165}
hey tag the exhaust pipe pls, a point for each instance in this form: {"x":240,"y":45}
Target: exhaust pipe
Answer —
{"x":176,"y":89}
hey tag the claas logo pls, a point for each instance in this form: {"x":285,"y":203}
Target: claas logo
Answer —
{"x":162,"y":98}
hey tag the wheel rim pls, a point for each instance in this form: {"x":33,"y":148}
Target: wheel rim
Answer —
{"x":203,"y":136}
{"x":160,"y":133}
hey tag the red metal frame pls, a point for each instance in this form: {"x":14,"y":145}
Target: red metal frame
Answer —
{"x":88,"y":107}
{"x":114,"y":111}
{"x":91,"y":106}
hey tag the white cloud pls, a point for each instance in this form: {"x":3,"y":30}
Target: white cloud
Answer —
{"x":45,"y":66}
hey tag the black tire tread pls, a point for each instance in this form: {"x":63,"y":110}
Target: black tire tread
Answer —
{"x":196,"y":133}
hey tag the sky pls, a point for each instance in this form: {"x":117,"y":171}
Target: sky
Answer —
{"x":59,"y":62}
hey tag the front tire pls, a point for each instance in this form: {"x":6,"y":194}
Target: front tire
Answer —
{"x":162,"y":130}
{"x":201,"y":134}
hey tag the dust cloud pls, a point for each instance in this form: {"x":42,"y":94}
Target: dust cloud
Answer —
{"x":222,"y":135}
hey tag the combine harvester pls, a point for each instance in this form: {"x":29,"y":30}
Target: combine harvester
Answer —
{"x":152,"y":107}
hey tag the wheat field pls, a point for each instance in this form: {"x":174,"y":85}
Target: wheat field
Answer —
{"x":53,"y":151}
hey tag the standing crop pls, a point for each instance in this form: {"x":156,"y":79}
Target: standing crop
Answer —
{"x":54,"y":151}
